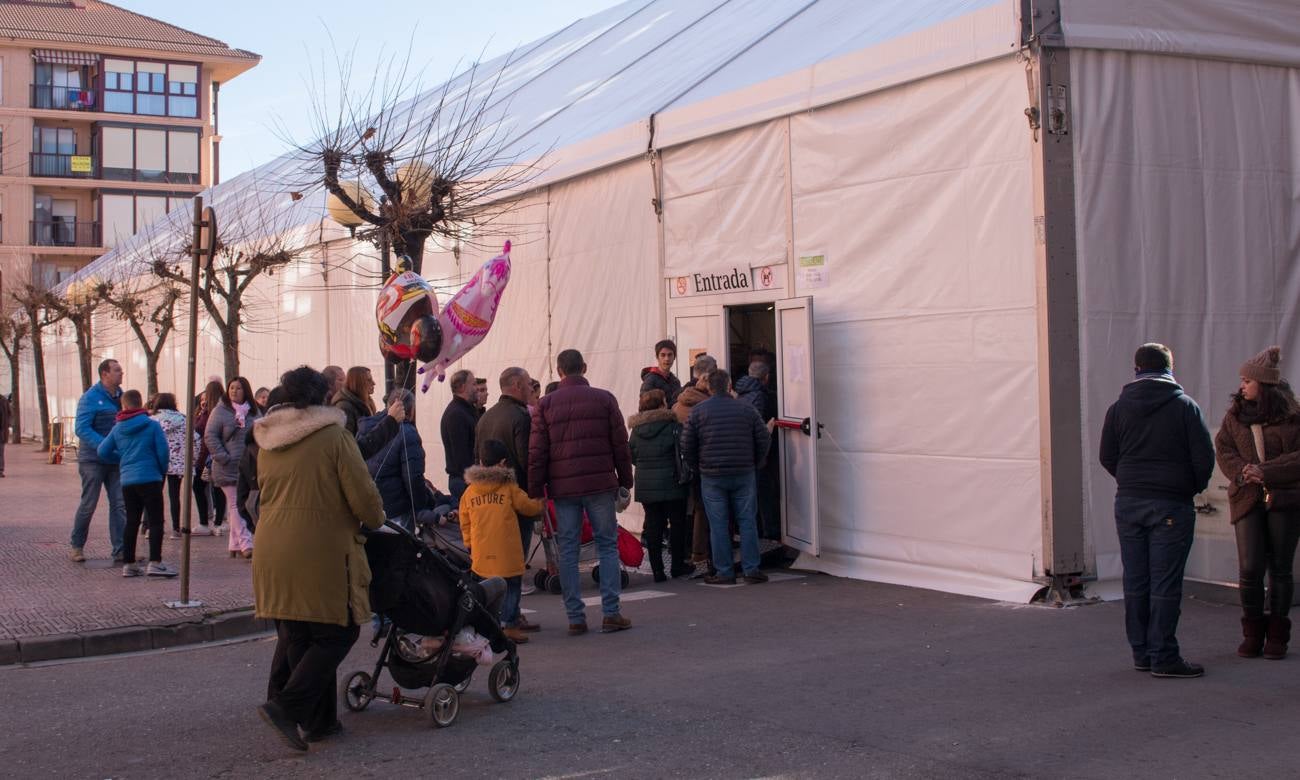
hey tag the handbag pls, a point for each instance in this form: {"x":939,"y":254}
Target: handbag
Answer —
{"x":685,"y":474}
{"x":1275,"y":499}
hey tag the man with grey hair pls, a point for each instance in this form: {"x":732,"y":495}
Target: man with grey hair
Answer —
{"x":336,"y":376}
{"x":509,"y":422}
{"x":459,"y":422}
{"x":753,"y":390}
{"x":705,"y":364}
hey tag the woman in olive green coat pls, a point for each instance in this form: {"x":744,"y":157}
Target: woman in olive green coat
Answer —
{"x":653,"y":436}
{"x":310,"y":574}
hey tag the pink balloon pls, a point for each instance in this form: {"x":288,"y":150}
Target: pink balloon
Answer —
{"x":468,"y":316}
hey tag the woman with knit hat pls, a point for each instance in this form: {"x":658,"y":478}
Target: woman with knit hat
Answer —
{"x":1258,"y":449}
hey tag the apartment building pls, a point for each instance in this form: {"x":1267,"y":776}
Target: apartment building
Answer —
{"x":108,"y":119}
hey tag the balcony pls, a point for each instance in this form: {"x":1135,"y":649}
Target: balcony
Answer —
{"x":64,"y":166}
{"x":68,"y":232}
{"x":64,"y":98}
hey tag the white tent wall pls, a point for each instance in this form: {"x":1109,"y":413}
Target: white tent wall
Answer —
{"x":1188,"y":196}
{"x":921,"y":198}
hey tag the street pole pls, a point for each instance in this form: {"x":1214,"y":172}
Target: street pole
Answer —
{"x":202,"y":249}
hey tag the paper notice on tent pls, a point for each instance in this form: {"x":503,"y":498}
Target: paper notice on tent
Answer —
{"x":813,"y":271}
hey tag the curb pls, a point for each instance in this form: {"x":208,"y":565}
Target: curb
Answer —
{"x":130,"y":639}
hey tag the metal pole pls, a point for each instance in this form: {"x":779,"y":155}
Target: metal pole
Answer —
{"x":187,"y":479}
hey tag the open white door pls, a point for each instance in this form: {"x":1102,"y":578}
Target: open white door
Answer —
{"x":797,"y":423}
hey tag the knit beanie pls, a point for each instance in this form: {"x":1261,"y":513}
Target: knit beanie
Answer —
{"x":1263,"y":367}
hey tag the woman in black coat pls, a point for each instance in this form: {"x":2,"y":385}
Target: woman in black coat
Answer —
{"x":654,"y":433}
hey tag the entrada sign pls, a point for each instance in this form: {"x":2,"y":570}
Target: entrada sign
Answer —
{"x":735,"y":280}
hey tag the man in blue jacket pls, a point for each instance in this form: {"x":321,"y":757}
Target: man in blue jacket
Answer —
{"x":96,"y":413}
{"x":725,"y":441}
{"x":1155,"y":443}
{"x":138,"y":444}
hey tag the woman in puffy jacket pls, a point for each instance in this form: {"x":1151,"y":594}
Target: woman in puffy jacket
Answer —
{"x":164,"y":410}
{"x":224,"y":436}
{"x":653,"y":436}
{"x":1258,"y":450}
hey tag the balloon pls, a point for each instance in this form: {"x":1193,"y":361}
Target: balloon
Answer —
{"x":467,"y":317}
{"x":406,"y":314}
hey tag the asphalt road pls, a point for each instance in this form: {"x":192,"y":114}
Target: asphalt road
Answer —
{"x":813,"y":677}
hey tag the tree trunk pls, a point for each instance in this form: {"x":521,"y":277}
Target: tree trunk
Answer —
{"x":15,"y":401}
{"x":42,"y":398}
{"x":84,"y":355}
{"x":151,"y":370}
{"x":413,"y":243}
{"x":230,"y":350}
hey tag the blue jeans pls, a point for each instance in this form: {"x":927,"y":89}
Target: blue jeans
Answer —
{"x":510,"y":604}
{"x":1155,"y":537}
{"x":568,"y":532}
{"x":727,"y":498}
{"x":95,"y":475}
{"x":456,"y":487}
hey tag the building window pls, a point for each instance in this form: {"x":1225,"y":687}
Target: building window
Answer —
{"x":148,"y":154}
{"x":123,"y":214}
{"x":152,"y":88}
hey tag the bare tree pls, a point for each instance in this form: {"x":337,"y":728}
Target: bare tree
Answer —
{"x":77,"y":305}
{"x":12,"y":334}
{"x":33,"y":301}
{"x":151,"y":313}
{"x":251,"y":244}
{"x":411,"y":163}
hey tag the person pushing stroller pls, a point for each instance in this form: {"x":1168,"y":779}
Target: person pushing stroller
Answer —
{"x":489,"y":512}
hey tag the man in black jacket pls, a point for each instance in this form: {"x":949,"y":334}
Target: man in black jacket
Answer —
{"x":458,"y":424}
{"x":726,"y":442}
{"x":1156,"y":445}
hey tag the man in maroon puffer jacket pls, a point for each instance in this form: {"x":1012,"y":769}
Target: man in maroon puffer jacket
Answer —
{"x":578,"y":456}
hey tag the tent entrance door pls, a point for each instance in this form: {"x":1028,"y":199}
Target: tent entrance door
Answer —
{"x":751,"y":338}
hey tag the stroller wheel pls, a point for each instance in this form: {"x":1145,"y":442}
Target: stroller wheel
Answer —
{"x":358,"y":693}
{"x":553,"y":585}
{"x":463,"y":685}
{"x":539,"y":579}
{"x":442,"y":705}
{"x":503,"y":682}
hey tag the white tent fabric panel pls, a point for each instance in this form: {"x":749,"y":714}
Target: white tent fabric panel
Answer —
{"x":702,"y":184}
{"x":926,"y":340}
{"x":1264,"y":31}
{"x":1188,"y":190}
{"x":606,"y":290}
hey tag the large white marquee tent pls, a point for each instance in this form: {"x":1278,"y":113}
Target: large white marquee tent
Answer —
{"x":984,"y":271}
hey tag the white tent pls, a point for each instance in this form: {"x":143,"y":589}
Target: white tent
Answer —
{"x":964,"y":215}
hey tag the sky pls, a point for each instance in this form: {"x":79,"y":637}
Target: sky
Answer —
{"x":300,"y":43}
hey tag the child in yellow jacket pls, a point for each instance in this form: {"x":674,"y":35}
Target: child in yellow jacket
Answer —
{"x":489,"y":523}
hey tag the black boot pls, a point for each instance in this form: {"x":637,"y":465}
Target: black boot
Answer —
{"x":1252,"y":628}
{"x":1279,"y":635}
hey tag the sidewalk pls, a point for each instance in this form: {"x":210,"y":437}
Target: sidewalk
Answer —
{"x":89,"y":608}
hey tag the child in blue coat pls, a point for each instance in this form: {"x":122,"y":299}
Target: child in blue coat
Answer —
{"x":138,"y":444}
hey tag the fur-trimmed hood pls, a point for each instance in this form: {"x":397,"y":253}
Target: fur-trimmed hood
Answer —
{"x":489,"y":475}
{"x":287,"y":425}
{"x":652,"y":416}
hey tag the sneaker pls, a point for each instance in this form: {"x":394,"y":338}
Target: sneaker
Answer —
{"x":119,"y":558}
{"x":755,"y":577}
{"x":276,"y":718}
{"x":527,"y":588}
{"x":714,"y":579}
{"x":613,"y":623}
{"x":160,"y":569}
{"x":702,"y":569}
{"x":1179,"y":669}
{"x":132,"y":570}
{"x":219,"y":530}
{"x":202,"y":530}
{"x":317,"y":736}
{"x":77,"y":555}
{"x":524,"y":624}
{"x":515,"y":635}
{"x":577,"y":629}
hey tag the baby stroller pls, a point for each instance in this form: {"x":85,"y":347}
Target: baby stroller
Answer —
{"x":630,"y":552}
{"x":428,"y":601}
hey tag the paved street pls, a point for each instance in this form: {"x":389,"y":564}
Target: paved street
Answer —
{"x":805,"y":677}
{"x":45,"y":593}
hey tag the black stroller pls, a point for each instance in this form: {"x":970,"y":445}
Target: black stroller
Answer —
{"x":421,"y":591}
